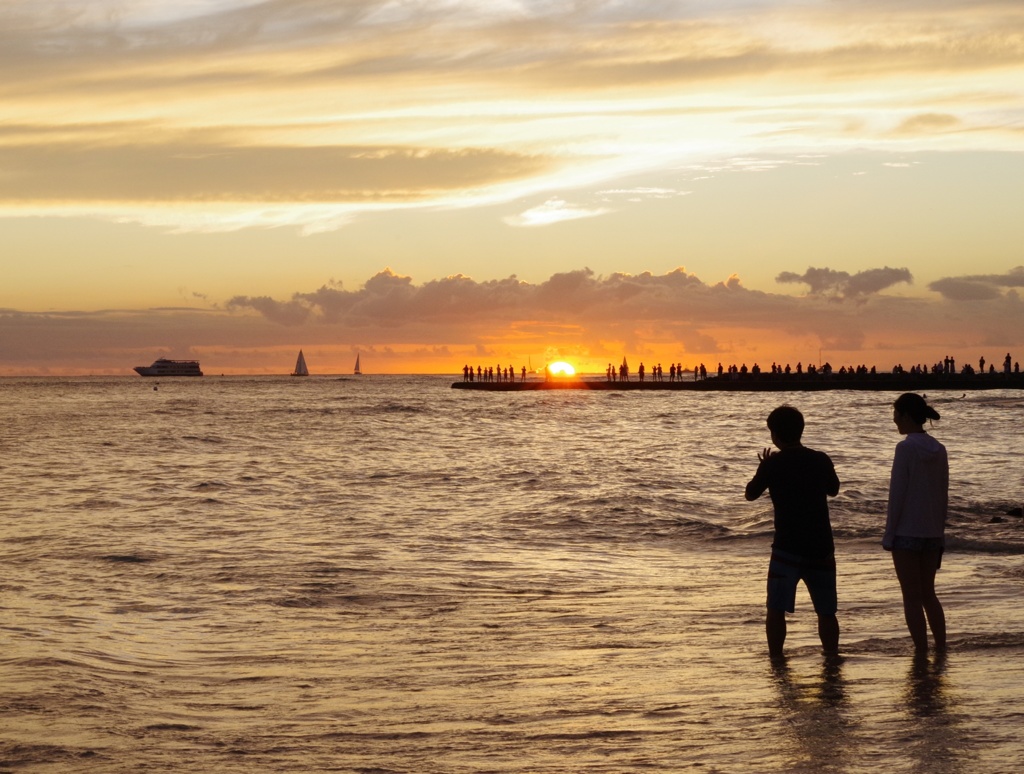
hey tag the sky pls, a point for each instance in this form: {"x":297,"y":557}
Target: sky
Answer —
{"x":431,"y":184}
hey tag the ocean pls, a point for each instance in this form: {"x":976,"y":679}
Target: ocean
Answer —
{"x":382,"y":574}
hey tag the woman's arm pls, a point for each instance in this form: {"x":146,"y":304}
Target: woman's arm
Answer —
{"x":899,"y":480}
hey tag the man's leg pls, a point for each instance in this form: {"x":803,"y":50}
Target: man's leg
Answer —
{"x":775,"y":628}
{"x":828,"y":633}
{"x":783,"y":577}
{"x":821,"y":583}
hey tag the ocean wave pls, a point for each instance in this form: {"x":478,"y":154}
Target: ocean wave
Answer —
{"x":15,"y":755}
{"x":397,"y":408}
{"x":202,"y":485}
{"x":981,"y":545}
{"x":126,"y":558}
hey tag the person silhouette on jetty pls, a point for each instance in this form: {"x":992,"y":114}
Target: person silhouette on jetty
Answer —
{"x":915,"y":521}
{"x":800,"y":481}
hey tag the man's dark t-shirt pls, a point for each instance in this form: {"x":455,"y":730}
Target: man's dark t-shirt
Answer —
{"x":799,"y":481}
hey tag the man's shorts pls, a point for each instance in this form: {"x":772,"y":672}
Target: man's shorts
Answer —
{"x":786,"y":570}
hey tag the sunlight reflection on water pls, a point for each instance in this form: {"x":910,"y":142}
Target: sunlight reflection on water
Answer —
{"x":255,"y":574}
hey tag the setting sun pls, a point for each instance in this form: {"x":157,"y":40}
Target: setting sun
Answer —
{"x":561,"y":368}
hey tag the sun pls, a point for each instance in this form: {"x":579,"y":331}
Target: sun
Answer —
{"x":561,"y":368}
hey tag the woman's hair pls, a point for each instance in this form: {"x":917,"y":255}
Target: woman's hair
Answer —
{"x":913,"y":405}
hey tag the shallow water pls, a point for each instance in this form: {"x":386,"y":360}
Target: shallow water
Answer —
{"x":383,"y":574}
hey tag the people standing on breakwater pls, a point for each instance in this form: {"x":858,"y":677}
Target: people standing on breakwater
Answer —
{"x":916,"y":518}
{"x":491,"y":374}
{"x":800,"y":481}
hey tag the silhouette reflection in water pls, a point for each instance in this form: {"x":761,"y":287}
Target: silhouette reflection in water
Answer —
{"x":815,"y":716}
{"x":936,"y":740}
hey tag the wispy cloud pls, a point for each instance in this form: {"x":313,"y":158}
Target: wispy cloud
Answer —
{"x":366,"y":105}
{"x":59,"y":173}
{"x":553,"y":211}
{"x":928,"y":123}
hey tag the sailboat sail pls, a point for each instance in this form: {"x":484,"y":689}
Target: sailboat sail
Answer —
{"x":300,"y":366}
{"x":356,"y":371}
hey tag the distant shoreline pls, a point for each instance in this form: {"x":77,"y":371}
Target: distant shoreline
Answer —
{"x":770,"y":383}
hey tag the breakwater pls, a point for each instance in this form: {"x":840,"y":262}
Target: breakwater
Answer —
{"x":767,"y":383}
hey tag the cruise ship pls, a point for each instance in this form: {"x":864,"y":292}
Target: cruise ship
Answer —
{"x":165,"y":367}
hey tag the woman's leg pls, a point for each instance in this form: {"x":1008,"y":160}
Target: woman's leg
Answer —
{"x":910,"y":574}
{"x":932,"y":606}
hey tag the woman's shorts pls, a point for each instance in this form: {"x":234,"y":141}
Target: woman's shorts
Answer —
{"x":918,"y":543}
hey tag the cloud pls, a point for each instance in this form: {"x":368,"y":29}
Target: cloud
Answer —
{"x":553,"y":211}
{"x":294,"y":312}
{"x":642,"y":193}
{"x":113,"y":108}
{"x":1012,"y":279}
{"x":979,"y":287}
{"x":435,"y":325}
{"x":193,"y":172}
{"x":579,"y":297}
{"x":840,"y":285}
{"x":618,"y":302}
{"x":927,"y":123}
{"x":964,"y":290}
{"x":160,"y":45}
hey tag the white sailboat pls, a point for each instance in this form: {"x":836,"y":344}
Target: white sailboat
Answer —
{"x":356,"y":371}
{"x":300,"y":366}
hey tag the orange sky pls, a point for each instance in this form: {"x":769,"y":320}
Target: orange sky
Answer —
{"x":432,"y":184}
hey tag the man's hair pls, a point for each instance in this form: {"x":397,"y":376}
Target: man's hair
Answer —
{"x":787,"y":424}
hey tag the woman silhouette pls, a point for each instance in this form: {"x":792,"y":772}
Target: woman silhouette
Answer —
{"x":916,"y":518}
